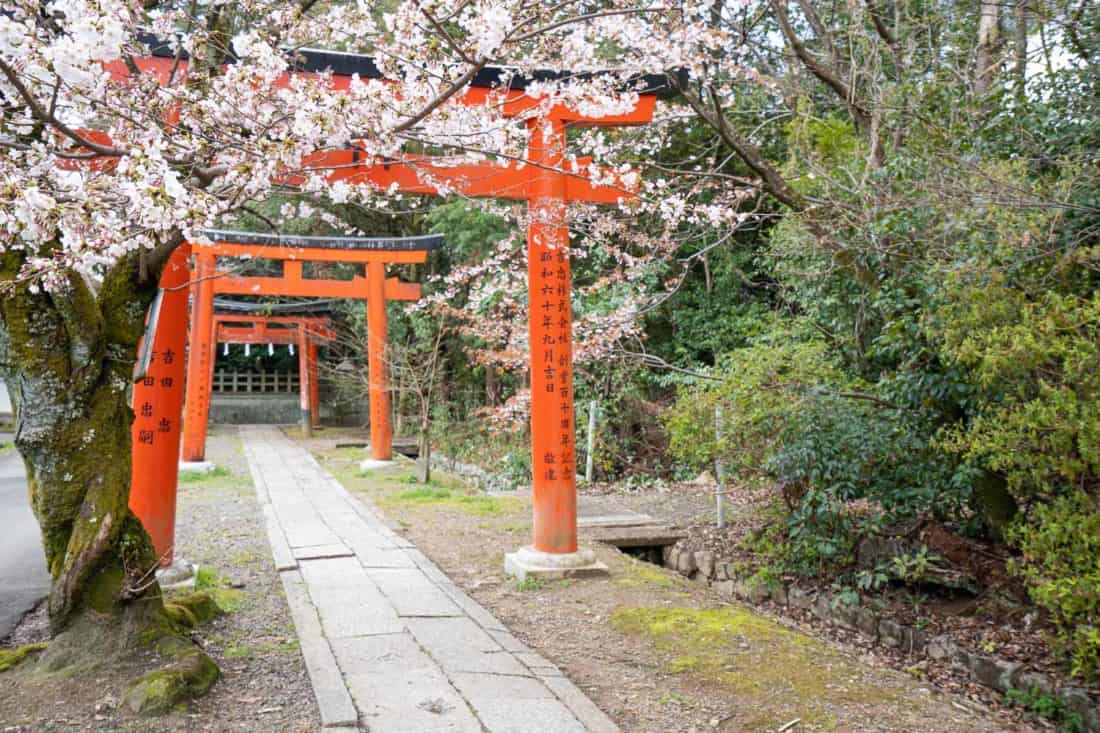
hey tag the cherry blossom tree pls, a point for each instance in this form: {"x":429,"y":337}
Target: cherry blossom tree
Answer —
{"x":106,"y":170}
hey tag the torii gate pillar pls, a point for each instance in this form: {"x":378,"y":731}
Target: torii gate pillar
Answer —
{"x":381,"y":434}
{"x":158,"y":407}
{"x":314,"y":386}
{"x":550,"y":332}
{"x":305,"y":381}
{"x":200,"y":359}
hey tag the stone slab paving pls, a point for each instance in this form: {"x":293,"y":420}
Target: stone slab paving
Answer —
{"x":391,"y":644}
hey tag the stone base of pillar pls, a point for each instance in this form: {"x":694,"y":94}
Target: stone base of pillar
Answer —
{"x":180,"y":574}
{"x":527,"y":562}
{"x":375,"y":465}
{"x":197,"y":467}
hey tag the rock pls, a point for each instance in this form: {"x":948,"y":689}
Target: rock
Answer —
{"x":685,"y":564}
{"x":874,"y":551}
{"x":779,"y":594}
{"x":823,"y":607}
{"x":722,"y":571}
{"x":845,"y":616}
{"x":1078,"y":701}
{"x":724,"y":587}
{"x":800,"y":599}
{"x":673,"y":557}
{"x":666,"y":553}
{"x":992,"y":672}
{"x":939,"y":647}
{"x":1037,"y":681}
{"x":891,"y":633}
{"x":867,"y":623}
{"x":705,"y":562}
{"x":916,"y":641}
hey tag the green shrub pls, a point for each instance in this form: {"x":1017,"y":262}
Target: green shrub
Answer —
{"x":1060,"y":542}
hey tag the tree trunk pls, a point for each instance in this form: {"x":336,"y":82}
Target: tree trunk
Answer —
{"x":989,"y":26}
{"x":68,"y":359}
{"x":424,"y":451}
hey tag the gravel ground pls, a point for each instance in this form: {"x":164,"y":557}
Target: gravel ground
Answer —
{"x":264,"y":685}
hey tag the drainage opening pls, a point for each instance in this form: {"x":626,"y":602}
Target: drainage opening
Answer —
{"x":646,"y":553}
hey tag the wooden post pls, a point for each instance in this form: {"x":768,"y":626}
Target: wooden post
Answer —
{"x":550,"y":329}
{"x":158,"y":408}
{"x":304,"y":388}
{"x":314,"y":386}
{"x":381,"y":435}
{"x":200,"y":358}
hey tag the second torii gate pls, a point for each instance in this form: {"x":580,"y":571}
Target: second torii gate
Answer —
{"x":303,"y":331}
{"x":373,"y":286}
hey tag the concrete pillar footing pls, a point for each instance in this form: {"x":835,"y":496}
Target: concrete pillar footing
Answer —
{"x":527,"y":562}
{"x":180,"y":574}
{"x":373,"y":464}
{"x":197,"y":467}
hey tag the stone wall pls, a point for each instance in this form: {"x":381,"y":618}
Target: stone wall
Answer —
{"x":255,"y":409}
{"x":484,"y":480}
{"x":993,"y":672}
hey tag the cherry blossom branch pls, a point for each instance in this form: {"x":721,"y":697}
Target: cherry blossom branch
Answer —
{"x":45,"y":116}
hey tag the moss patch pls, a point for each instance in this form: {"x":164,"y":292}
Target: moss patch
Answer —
{"x":755,"y":658}
{"x":11,"y":657}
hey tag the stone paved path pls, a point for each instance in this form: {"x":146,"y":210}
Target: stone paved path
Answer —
{"x":391,"y":644}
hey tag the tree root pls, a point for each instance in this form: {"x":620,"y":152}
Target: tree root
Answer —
{"x":11,"y":657}
{"x":192,"y":610}
{"x":189,"y":676}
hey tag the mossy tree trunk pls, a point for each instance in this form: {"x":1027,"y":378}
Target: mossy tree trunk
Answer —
{"x":68,"y":358}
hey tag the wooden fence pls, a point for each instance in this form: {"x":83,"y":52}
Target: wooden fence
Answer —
{"x":261,"y":382}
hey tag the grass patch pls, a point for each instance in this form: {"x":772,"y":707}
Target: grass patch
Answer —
{"x":6,"y":446}
{"x":478,"y":504}
{"x":199,"y":477}
{"x":529,"y":584}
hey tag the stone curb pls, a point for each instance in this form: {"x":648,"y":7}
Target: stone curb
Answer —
{"x":992,"y":672}
{"x":333,"y":699}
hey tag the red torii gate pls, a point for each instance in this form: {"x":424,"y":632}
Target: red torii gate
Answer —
{"x":303,"y":331}
{"x":547,"y":186}
{"x":371,"y":252}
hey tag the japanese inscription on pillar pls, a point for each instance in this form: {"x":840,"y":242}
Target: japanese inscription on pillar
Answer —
{"x":153,"y":416}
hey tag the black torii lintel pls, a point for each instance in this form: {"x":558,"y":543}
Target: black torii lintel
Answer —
{"x":490,"y":77}
{"x":227,"y":306}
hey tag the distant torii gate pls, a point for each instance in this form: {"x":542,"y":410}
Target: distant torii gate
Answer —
{"x":547,"y":183}
{"x":372,"y":252}
{"x":304,"y":331}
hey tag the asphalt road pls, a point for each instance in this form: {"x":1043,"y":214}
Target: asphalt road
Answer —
{"x":24,"y":580}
